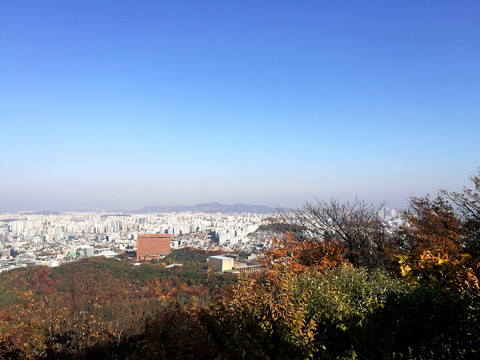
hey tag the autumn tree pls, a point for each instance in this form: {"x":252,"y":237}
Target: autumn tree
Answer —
{"x":264,"y":318}
{"x":467,"y":205}
{"x":431,"y":246}
{"x":295,"y":256}
{"x":431,"y":225}
{"x":354,"y":226}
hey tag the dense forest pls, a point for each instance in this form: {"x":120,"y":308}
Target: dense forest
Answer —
{"x":338,"y":285}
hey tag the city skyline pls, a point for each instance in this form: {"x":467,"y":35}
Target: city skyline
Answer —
{"x":120,"y":105}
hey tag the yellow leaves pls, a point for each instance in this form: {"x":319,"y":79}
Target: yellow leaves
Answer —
{"x":405,"y":270}
{"x":440,"y":269}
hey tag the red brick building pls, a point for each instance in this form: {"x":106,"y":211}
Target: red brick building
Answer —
{"x":151,"y":246}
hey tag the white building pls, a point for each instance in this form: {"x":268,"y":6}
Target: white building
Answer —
{"x":221,"y":263}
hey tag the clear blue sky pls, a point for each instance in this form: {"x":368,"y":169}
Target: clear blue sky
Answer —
{"x":112,"y":103}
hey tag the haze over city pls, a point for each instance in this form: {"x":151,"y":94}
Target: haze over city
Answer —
{"x":122,"y":104}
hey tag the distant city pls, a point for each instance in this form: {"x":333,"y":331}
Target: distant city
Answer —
{"x":51,"y":238}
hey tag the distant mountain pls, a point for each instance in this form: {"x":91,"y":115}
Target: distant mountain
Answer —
{"x":43,"y":212}
{"x":208,"y":208}
{"x":162,"y":209}
{"x":236,"y":208}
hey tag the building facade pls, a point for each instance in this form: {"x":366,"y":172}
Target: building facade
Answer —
{"x":152,"y":246}
{"x":220,"y":263}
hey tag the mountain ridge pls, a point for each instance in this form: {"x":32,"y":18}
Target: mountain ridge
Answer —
{"x":212,"y":207}
{"x":208,"y":208}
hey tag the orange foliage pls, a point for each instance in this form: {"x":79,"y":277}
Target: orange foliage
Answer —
{"x":432,"y":225}
{"x":434,"y":238}
{"x":296,"y":255}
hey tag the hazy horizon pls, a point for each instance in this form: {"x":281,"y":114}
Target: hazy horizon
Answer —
{"x":126,"y":104}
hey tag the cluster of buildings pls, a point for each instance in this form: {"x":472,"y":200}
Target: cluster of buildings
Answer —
{"x":391,"y":218}
{"x":35,"y":239}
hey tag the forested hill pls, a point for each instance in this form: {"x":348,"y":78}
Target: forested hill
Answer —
{"x":88,"y":308}
{"x":98,"y":277}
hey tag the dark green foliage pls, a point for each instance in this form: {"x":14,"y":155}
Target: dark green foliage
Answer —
{"x":191,"y":255}
{"x":426,"y":323}
{"x":374,"y":316}
{"x":175,"y":334}
{"x":279,"y":227}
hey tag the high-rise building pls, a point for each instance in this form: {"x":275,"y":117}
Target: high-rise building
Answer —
{"x":151,"y":246}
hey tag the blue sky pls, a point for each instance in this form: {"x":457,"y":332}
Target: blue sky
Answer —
{"x":129,"y":103}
